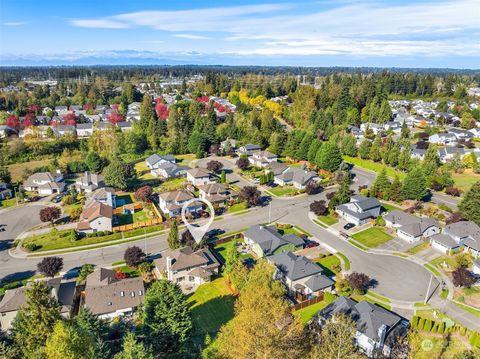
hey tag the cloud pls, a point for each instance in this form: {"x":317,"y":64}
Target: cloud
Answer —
{"x":100,"y":24}
{"x":14,"y":23}
{"x":191,"y":36}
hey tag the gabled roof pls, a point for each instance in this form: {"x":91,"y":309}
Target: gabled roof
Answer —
{"x":96,"y":210}
{"x":318,"y":282}
{"x":365,"y":203}
{"x":185,"y":258}
{"x":176,"y":196}
{"x":99,"y":277}
{"x":268,"y":238}
{"x":445,"y":240}
{"x":155,"y":158}
{"x":295,"y":267}
{"x":198,"y":173}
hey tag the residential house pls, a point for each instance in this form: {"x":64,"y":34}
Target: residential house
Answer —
{"x":303,"y":278}
{"x":262,"y":158}
{"x":156,"y":160}
{"x":476,"y":267}
{"x":248,"y":149}
{"x":410,"y":227}
{"x":186,"y":266}
{"x":448,"y":139}
{"x":461,"y":134}
{"x":355,"y":131}
{"x":6,"y":131}
{"x":228,"y":145}
{"x":63,"y":130}
{"x":124,"y":125}
{"x":89,"y":182}
{"x":277,"y":168}
{"x":297,"y":177}
{"x":198,"y":176}
{"x":216,"y":193}
{"x":446,"y":154}
{"x":84,"y":129}
{"x":45,"y":183}
{"x":169,"y":170}
{"x":5,"y":192}
{"x":419,"y":153}
{"x":374,"y":127}
{"x":63,"y":291}
{"x":105,"y":195}
{"x":61,"y":110}
{"x":360,"y":209}
{"x":455,"y":236}
{"x":475,"y":132}
{"x":109,"y":297}
{"x":96,"y":218}
{"x":265,"y":241}
{"x":171,"y":203}
{"x":377,"y":328}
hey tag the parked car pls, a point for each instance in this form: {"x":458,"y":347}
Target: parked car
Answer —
{"x":348,"y":226}
{"x":215,"y":232}
{"x":57,"y":198}
{"x":311,"y":244}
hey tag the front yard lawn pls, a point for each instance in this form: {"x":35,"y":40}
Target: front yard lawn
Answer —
{"x":184,"y":160}
{"x":330,"y":264}
{"x":329,"y":220}
{"x":372,"y":237}
{"x":387,"y":207}
{"x":237,"y":207}
{"x":418,"y":248}
{"x":8,"y":203}
{"x":284,"y":191}
{"x":211,"y":307}
{"x":143,"y":171}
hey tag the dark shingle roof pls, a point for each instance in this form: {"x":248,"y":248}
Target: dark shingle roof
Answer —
{"x":295,"y":267}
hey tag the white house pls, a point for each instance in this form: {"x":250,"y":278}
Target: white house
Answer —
{"x":476,"y":267}
{"x":411,"y":228}
{"x":198,"y":176}
{"x":360,"y":209}
{"x":262,"y":158}
{"x":45,"y":183}
{"x":89,"y":182}
{"x":84,"y":129}
{"x":448,"y":139}
{"x":96,"y":218}
{"x":171,"y":203}
{"x":463,"y":234}
{"x":155,"y":160}
{"x":297,"y":177}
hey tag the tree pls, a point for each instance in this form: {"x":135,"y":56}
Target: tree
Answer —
{"x":144,"y":194}
{"x":359,"y":282}
{"x":94,"y":162}
{"x":263,"y":326}
{"x":35,"y":320}
{"x":364,"y":149}
{"x":454,"y":218}
{"x":119,"y":174}
{"x":470,"y":204}
{"x":349,"y":147}
{"x":49,"y":266}
{"x":461,"y":277}
{"x":133,"y":256}
{"x":313,"y":187}
{"x":223,"y":177}
{"x":131,"y":349}
{"x":50,"y":214}
{"x":250,"y":194}
{"x":5,"y":176}
{"x":329,"y":157}
{"x":381,"y":185}
{"x":243,"y":163}
{"x":214,"y":166}
{"x":173,"y":238}
{"x":232,"y":257}
{"x":336,"y":339}
{"x":395,"y":193}
{"x":166,"y":317}
{"x":84,"y":272}
{"x":69,"y":342}
{"x":90,"y":323}
{"x":414,"y":185}
{"x":319,"y":208}
{"x":342,"y":195}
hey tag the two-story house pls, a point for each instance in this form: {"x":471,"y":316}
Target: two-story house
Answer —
{"x":266,"y":241}
{"x":216,"y":193}
{"x":96,"y":218}
{"x":198,"y":176}
{"x":156,"y":160}
{"x":171,"y":203}
{"x":262,"y":158}
{"x":45,"y":183}
{"x":89,"y":182}
{"x":248,"y":149}
{"x":360,"y":209}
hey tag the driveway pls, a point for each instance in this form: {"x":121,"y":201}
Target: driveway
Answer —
{"x":398,"y":245}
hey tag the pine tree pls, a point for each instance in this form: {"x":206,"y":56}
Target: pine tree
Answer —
{"x":342,"y":195}
{"x":470,"y":204}
{"x":313,"y":149}
{"x":349,"y":147}
{"x":329,"y":157}
{"x":381,"y":185}
{"x":395,"y":193}
{"x":223,"y":177}
{"x":414,"y":185}
{"x":173,"y":237}
{"x":394,"y":155}
{"x":131,"y":349}
{"x":364,"y":149}
{"x":69,"y":342}
{"x":375,"y":150}
{"x":146,"y":114}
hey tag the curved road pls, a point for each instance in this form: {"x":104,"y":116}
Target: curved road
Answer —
{"x":397,"y":278}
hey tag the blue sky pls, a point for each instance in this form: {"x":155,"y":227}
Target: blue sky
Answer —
{"x":307,"y":33}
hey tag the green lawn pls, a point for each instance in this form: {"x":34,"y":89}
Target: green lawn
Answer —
{"x":307,"y":313}
{"x":237,"y":207}
{"x":284,"y":191}
{"x":372,"y":237}
{"x":143,"y":171}
{"x":171,"y":185}
{"x":374,"y":166}
{"x":346,"y":261}
{"x":17,"y":169}
{"x":330,"y":264}
{"x":359,"y":298}
{"x":425,"y":345}
{"x":211,"y":307}
{"x":432,"y":269}
{"x":222,"y":249}
{"x":378,"y":296}
{"x":471,"y":310}
{"x":329,"y":220}
{"x":418,"y":248}
{"x":387,"y":207}
{"x":8,"y":203}
{"x":184,"y":160}
{"x":466,"y":179}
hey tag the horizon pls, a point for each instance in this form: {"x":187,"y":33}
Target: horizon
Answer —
{"x":347,"y":33}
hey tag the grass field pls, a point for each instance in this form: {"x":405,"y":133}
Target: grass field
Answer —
{"x":171,"y":185}
{"x":283,"y":191}
{"x":16,"y":170}
{"x":374,"y":166}
{"x":389,"y":207}
{"x":307,"y":313}
{"x":211,"y":306}
{"x":330,"y":264}
{"x":466,"y":179}
{"x":237,"y":207}
{"x":8,"y":203}
{"x":328,"y":220}
{"x":372,"y":237}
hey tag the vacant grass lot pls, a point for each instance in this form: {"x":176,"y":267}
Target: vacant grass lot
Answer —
{"x":211,"y":306}
{"x":16,"y":170}
{"x":372,"y":237}
{"x":374,"y":166}
{"x":171,"y":185}
{"x":386,"y":207}
{"x":143,"y":171}
{"x":466,"y":179}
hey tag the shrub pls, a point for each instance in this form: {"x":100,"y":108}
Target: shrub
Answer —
{"x":414,"y":321}
{"x":441,"y":328}
{"x":421,"y":323}
{"x":12,"y":285}
{"x":453,"y":191}
{"x":428,"y":325}
{"x":380,"y":221}
{"x":31,"y":247}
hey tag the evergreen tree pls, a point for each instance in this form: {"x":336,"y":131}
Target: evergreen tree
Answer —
{"x":35,"y":320}
{"x":364,"y":149}
{"x":381,"y":185}
{"x":342,"y":195}
{"x":69,"y":342}
{"x":131,"y":349}
{"x":414,"y":185}
{"x":223,"y":177}
{"x":313,"y":149}
{"x":302,"y":150}
{"x":119,"y":174}
{"x":375,"y":150}
{"x":395,"y":192}
{"x":147,"y":115}
{"x":329,"y":157}
{"x":349,"y":147}
{"x":405,"y":131}
{"x":173,"y":237}
{"x":470,"y":204}
{"x":394,"y":155}
{"x":405,"y":158}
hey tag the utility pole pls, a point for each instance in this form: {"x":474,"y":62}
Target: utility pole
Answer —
{"x":428,"y":291}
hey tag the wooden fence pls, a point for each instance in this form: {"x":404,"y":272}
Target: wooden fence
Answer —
{"x":129,"y":227}
{"x":308,"y":302}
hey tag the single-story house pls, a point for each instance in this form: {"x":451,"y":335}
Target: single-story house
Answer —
{"x":84,"y":129}
{"x":444,"y":243}
{"x":410,"y":227}
{"x":377,"y":328}
{"x":124,"y":125}
{"x":186,"y":266}
{"x":303,"y":278}
{"x":156,"y":160}
{"x":265,"y":241}
{"x":360,"y":209}
{"x":96,"y":218}
{"x":63,"y":291}
{"x":443,"y":139}
{"x":89,"y":182}
{"x":216,"y":193}
{"x":171,"y":203}
{"x":45,"y":183}
{"x":198,"y":176}
{"x":466,"y":234}
{"x":108,"y":297}
{"x":297,"y":177}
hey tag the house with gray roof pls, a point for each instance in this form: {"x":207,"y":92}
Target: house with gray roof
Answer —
{"x":377,"y":328}
{"x":448,"y":139}
{"x":248,"y":149}
{"x":156,"y":160}
{"x":297,"y":177}
{"x":476,"y":267}
{"x":84,"y":129}
{"x":169,"y":170}
{"x":455,"y":236}
{"x":359,"y":210}
{"x":64,"y":291}
{"x":187,"y":267}
{"x":277,"y":168}
{"x":266,"y":241}
{"x":171,"y":203}
{"x":89,"y":182}
{"x":303,"y":278}
{"x":45,"y":183}
{"x":410,"y":227}
{"x":262,"y":158}
{"x":199,"y":176}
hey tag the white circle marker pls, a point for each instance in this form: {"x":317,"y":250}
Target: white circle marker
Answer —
{"x":198,"y":231}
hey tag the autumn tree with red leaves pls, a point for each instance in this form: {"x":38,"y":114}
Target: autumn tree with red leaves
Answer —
{"x":50,"y":214}
{"x":70,"y":119}
{"x":115,"y":118}
{"x":13,"y":122}
{"x":161,"y":109}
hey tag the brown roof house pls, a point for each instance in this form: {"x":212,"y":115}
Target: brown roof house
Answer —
{"x":216,"y":193}
{"x":62,"y":291}
{"x":187,"y":267}
{"x":198,"y":176}
{"x":109,"y":297}
{"x":45,"y":183}
{"x":96,"y":218}
{"x":171,"y":203}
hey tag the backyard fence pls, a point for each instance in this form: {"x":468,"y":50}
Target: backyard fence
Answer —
{"x":308,"y":302}
{"x":129,"y":227}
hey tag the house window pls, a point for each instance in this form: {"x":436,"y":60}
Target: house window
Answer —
{"x":109,"y":303}
{"x":122,"y":294}
{"x":140,"y":292}
{"x":132,"y":294}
